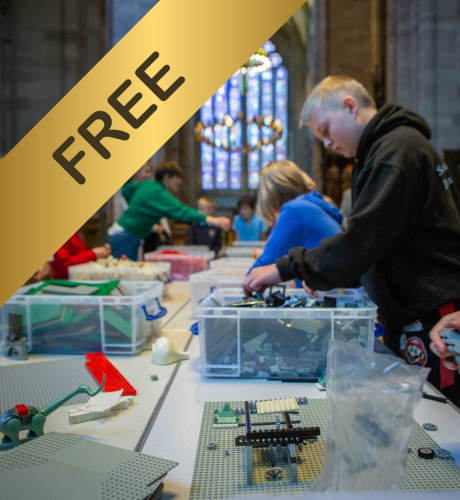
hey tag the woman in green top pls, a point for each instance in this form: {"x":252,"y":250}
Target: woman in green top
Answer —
{"x":148,"y":202}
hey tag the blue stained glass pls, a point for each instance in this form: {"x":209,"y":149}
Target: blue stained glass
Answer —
{"x":267,"y":95}
{"x":275,"y":59}
{"x":269,"y":46}
{"x":221,"y":169}
{"x":235,"y":171}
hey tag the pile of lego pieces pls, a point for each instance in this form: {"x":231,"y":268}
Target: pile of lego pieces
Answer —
{"x":279,"y":299}
{"x":100,"y":406}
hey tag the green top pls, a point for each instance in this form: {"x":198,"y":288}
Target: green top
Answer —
{"x":148,"y":202}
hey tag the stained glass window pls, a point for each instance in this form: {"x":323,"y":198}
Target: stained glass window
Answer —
{"x":267,"y":95}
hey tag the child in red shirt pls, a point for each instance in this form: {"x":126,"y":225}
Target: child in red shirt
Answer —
{"x":74,"y":252}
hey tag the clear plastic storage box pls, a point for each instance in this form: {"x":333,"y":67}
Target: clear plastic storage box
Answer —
{"x":250,"y":244}
{"x":184,"y":260}
{"x":246,"y":262}
{"x":71,"y":324}
{"x":238,"y":252}
{"x":287,"y":343}
{"x":125,"y":270}
{"x":204,"y":283}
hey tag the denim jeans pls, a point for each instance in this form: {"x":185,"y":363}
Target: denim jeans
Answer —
{"x":125,"y":244}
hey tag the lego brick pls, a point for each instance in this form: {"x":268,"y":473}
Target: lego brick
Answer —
{"x":217,"y":479}
{"x":22,"y":410}
{"x":59,"y":466}
{"x":39,"y":384}
{"x":81,"y":415}
{"x":277,"y":405}
{"x":99,"y":366}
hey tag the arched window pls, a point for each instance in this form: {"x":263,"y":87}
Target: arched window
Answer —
{"x":223,"y":168}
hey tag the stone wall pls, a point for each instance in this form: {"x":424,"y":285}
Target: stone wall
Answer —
{"x":424,"y":64}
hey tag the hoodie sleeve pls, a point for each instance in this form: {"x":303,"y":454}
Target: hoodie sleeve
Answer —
{"x":378,"y":220}
{"x":172,"y":208}
{"x":282,"y":238}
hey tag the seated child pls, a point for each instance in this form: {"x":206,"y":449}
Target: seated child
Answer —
{"x":247,"y":225}
{"x":301,"y":217}
{"x":74,"y":252}
{"x":201,"y":233}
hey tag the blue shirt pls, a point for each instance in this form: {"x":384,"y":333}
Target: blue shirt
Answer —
{"x":251,"y":231}
{"x":304,"y":222}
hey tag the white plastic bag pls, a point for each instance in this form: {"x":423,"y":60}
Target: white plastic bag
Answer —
{"x":370,"y":402}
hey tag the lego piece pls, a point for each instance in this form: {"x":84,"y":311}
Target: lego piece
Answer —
{"x":164,"y":352}
{"x":274,"y":472}
{"x":442,"y":454}
{"x":22,"y":410}
{"x":154,"y":378}
{"x":85,"y":414}
{"x":439,"y":399}
{"x":63,"y":466}
{"x":252,"y":345}
{"x":430,"y":427}
{"x":277,"y":405}
{"x":451,"y":338}
{"x":33,"y":419}
{"x":45,"y":382}
{"x":99,"y":366}
{"x":225,"y":416}
{"x":211,"y":446}
{"x":15,"y":345}
{"x":426,"y":453}
{"x":321,"y":384}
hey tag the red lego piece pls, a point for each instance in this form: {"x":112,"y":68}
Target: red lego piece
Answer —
{"x":22,"y":410}
{"x":99,"y":366}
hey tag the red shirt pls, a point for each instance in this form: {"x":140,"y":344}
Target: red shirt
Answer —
{"x":70,"y":254}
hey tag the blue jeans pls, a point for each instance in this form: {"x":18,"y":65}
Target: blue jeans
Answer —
{"x":125,"y":244}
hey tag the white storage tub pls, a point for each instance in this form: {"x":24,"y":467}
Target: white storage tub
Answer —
{"x":231,"y":262}
{"x":71,"y":324}
{"x":250,"y":244}
{"x":124,"y":270}
{"x":285,"y":343}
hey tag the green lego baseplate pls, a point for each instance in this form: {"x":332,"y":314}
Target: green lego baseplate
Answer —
{"x":219,"y":475}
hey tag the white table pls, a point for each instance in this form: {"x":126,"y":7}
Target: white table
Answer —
{"x":189,"y":391}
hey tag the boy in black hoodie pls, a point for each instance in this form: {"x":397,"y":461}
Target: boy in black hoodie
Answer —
{"x":403,"y":235}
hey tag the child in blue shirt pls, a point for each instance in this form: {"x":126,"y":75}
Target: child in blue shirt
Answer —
{"x":247,"y":225}
{"x":301,"y":217}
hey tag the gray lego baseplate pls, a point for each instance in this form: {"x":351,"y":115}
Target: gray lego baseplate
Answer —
{"x":57,"y":466}
{"x":217,"y":476}
{"x":41,"y":383}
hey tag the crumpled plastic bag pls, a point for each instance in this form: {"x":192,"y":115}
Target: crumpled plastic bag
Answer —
{"x":370,"y":402}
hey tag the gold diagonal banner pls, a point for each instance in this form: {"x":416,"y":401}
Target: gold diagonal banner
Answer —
{"x":118,"y":116}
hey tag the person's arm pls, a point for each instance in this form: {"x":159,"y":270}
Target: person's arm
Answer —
{"x":63,"y":256}
{"x":378,"y":221}
{"x":437,"y":345}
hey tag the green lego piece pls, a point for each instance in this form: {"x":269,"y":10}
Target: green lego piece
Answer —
{"x":225,"y":416}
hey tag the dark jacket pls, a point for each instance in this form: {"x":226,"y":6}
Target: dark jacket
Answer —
{"x":202,"y":234}
{"x":403,"y":236}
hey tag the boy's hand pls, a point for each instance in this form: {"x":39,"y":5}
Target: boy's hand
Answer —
{"x":223,"y":222}
{"x":260,"y":278}
{"x":437,"y":345}
{"x":102,"y":252}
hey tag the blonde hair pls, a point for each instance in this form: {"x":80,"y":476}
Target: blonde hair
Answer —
{"x":207,"y":201}
{"x":280,"y":182}
{"x":332,"y":90}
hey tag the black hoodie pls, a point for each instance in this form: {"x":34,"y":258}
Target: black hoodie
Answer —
{"x":403,"y":235}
